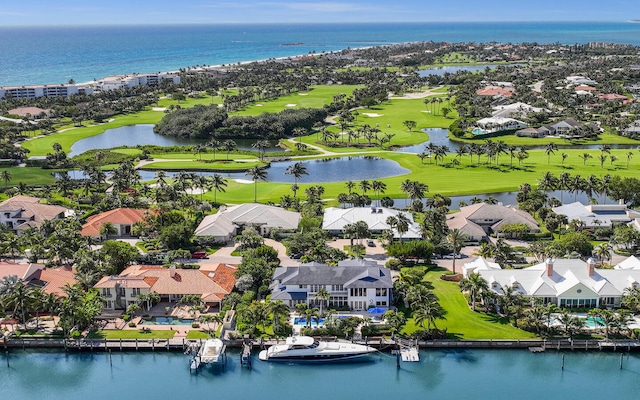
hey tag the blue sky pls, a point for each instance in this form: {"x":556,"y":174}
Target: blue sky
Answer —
{"x":91,"y":12}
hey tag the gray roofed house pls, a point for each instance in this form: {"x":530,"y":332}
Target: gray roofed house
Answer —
{"x":228,"y":222}
{"x":566,"y":282}
{"x":335,"y":220}
{"x":488,"y":218}
{"x":598,"y":215}
{"x":358,"y":285}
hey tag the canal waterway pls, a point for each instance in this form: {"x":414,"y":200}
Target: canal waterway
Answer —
{"x":440,"y":374}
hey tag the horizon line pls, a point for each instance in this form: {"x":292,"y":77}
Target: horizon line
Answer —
{"x":134,"y":24}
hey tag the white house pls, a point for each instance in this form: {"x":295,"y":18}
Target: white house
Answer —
{"x":478,"y":264}
{"x":228,"y":222}
{"x":598,"y":215}
{"x":358,"y":285}
{"x":335,"y":219}
{"x":566,"y":282}
{"x":498,"y":124}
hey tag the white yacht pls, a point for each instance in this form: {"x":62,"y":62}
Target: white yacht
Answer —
{"x":300,"y":349}
{"x":212,"y":352}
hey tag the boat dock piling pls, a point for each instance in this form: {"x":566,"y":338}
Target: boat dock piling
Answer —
{"x":245,"y":355}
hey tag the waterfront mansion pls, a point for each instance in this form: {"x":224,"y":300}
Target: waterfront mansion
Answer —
{"x":564,"y":282}
{"x":355,"y":283}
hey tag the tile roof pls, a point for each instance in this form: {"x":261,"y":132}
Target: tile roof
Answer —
{"x":119,"y":216}
{"x":56,"y":279}
{"x":212,"y":286}
{"x":224,"y":222}
{"x":30,"y":208}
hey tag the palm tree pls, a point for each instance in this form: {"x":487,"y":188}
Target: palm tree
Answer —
{"x":564,"y":157}
{"x":585,"y":157}
{"x":550,"y":149}
{"x":279,"y":311}
{"x":215,"y":145}
{"x":456,"y":238}
{"x":324,"y":296}
{"x":107,"y":229}
{"x":5,"y":176}
{"x":218,"y":183}
{"x":364,"y":185}
{"x":229,"y":145}
{"x":603,"y":251}
{"x":428,"y":313}
{"x":474,"y":284}
{"x":256,"y":173}
{"x":297,"y":170}
{"x":629,"y":155}
{"x":350,"y":185}
{"x":400,"y":223}
{"x":261,"y":145}
{"x":378,"y":188}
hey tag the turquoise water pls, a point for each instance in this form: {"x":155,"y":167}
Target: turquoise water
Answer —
{"x":477,"y":374}
{"x":166,"y":321}
{"x":39,"y":55}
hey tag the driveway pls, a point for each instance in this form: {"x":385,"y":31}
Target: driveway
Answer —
{"x":222,"y":256}
{"x":377,"y":253}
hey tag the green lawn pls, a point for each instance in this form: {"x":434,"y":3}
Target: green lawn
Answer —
{"x":461,"y":322}
{"x":131,"y":334}
{"x":29,"y":176}
{"x":196,"y":334}
{"x":316,"y":97}
{"x":220,"y":156}
{"x":189,"y":164}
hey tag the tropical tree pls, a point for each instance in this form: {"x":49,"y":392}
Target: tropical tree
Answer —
{"x":218,"y":183}
{"x":256,"y":173}
{"x":427,"y":314}
{"x":474,"y":284}
{"x":550,"y":149}
{"x":229,"y":145}
{"x":296,"y":170}
{"x":324,"y":296}
{"x":400,"y":223}
{"x":456,"y":239}
{"x":5,"y":176}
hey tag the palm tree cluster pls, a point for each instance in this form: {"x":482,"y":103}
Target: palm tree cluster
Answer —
{"x":411,"y":289}
{"x":592,"y":185}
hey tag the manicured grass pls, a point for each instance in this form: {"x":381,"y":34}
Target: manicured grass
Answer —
{"x":461,"y":322}
{"x":42,"y":146}
{"x":195,"y":334}
{"x":188,"y":164}
{"x":220,"y":156}
{"x":316,"y":97}
{"x":29,"y":175}
{"x":131,"y":334}
{"x":129,"y":152}
{"x":603,"y":138}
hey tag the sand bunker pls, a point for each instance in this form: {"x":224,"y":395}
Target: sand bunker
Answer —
{"x":372,"y":115}
{"x":258,"y":105}
{"x":244,"y":181}
{"x":290,"y":105}
{"x":303,"y":94}
{"x":159,"y":109}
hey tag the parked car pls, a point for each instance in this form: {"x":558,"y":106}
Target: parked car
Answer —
{"x":451,"y":256}
{"x":199,"y":254}
{"x":371,"y":243}
{"x":295,"y":256}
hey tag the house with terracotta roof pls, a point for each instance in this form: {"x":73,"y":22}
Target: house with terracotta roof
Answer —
{"x":170,"y":284}
{"x":492,"y":91}
{"x":49,"y":280}
{"x":479,"y":220}
{"x":21,"y":212}
{"x":121,"y":218}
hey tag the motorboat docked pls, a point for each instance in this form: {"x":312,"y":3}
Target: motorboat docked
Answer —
{"x":299,"y":349}
{"x":212,"y":352}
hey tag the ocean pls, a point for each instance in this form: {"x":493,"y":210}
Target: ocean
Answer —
{"x":53,"y":55}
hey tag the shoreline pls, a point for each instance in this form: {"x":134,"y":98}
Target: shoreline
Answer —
{"x":380,"y":343}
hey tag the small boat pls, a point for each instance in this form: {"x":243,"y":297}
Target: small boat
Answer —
{"x":303,"y":349}
{"x":212,"y":352}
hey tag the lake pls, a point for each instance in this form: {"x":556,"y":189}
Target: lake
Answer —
{"x":440,"y":374}
{"x":320,"y":170}
{"x":452,"y":69}
{"x":140,"y":135}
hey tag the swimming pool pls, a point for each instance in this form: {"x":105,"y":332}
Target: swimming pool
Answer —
{"x":166,"y":321}
{"x":591,"y":322}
